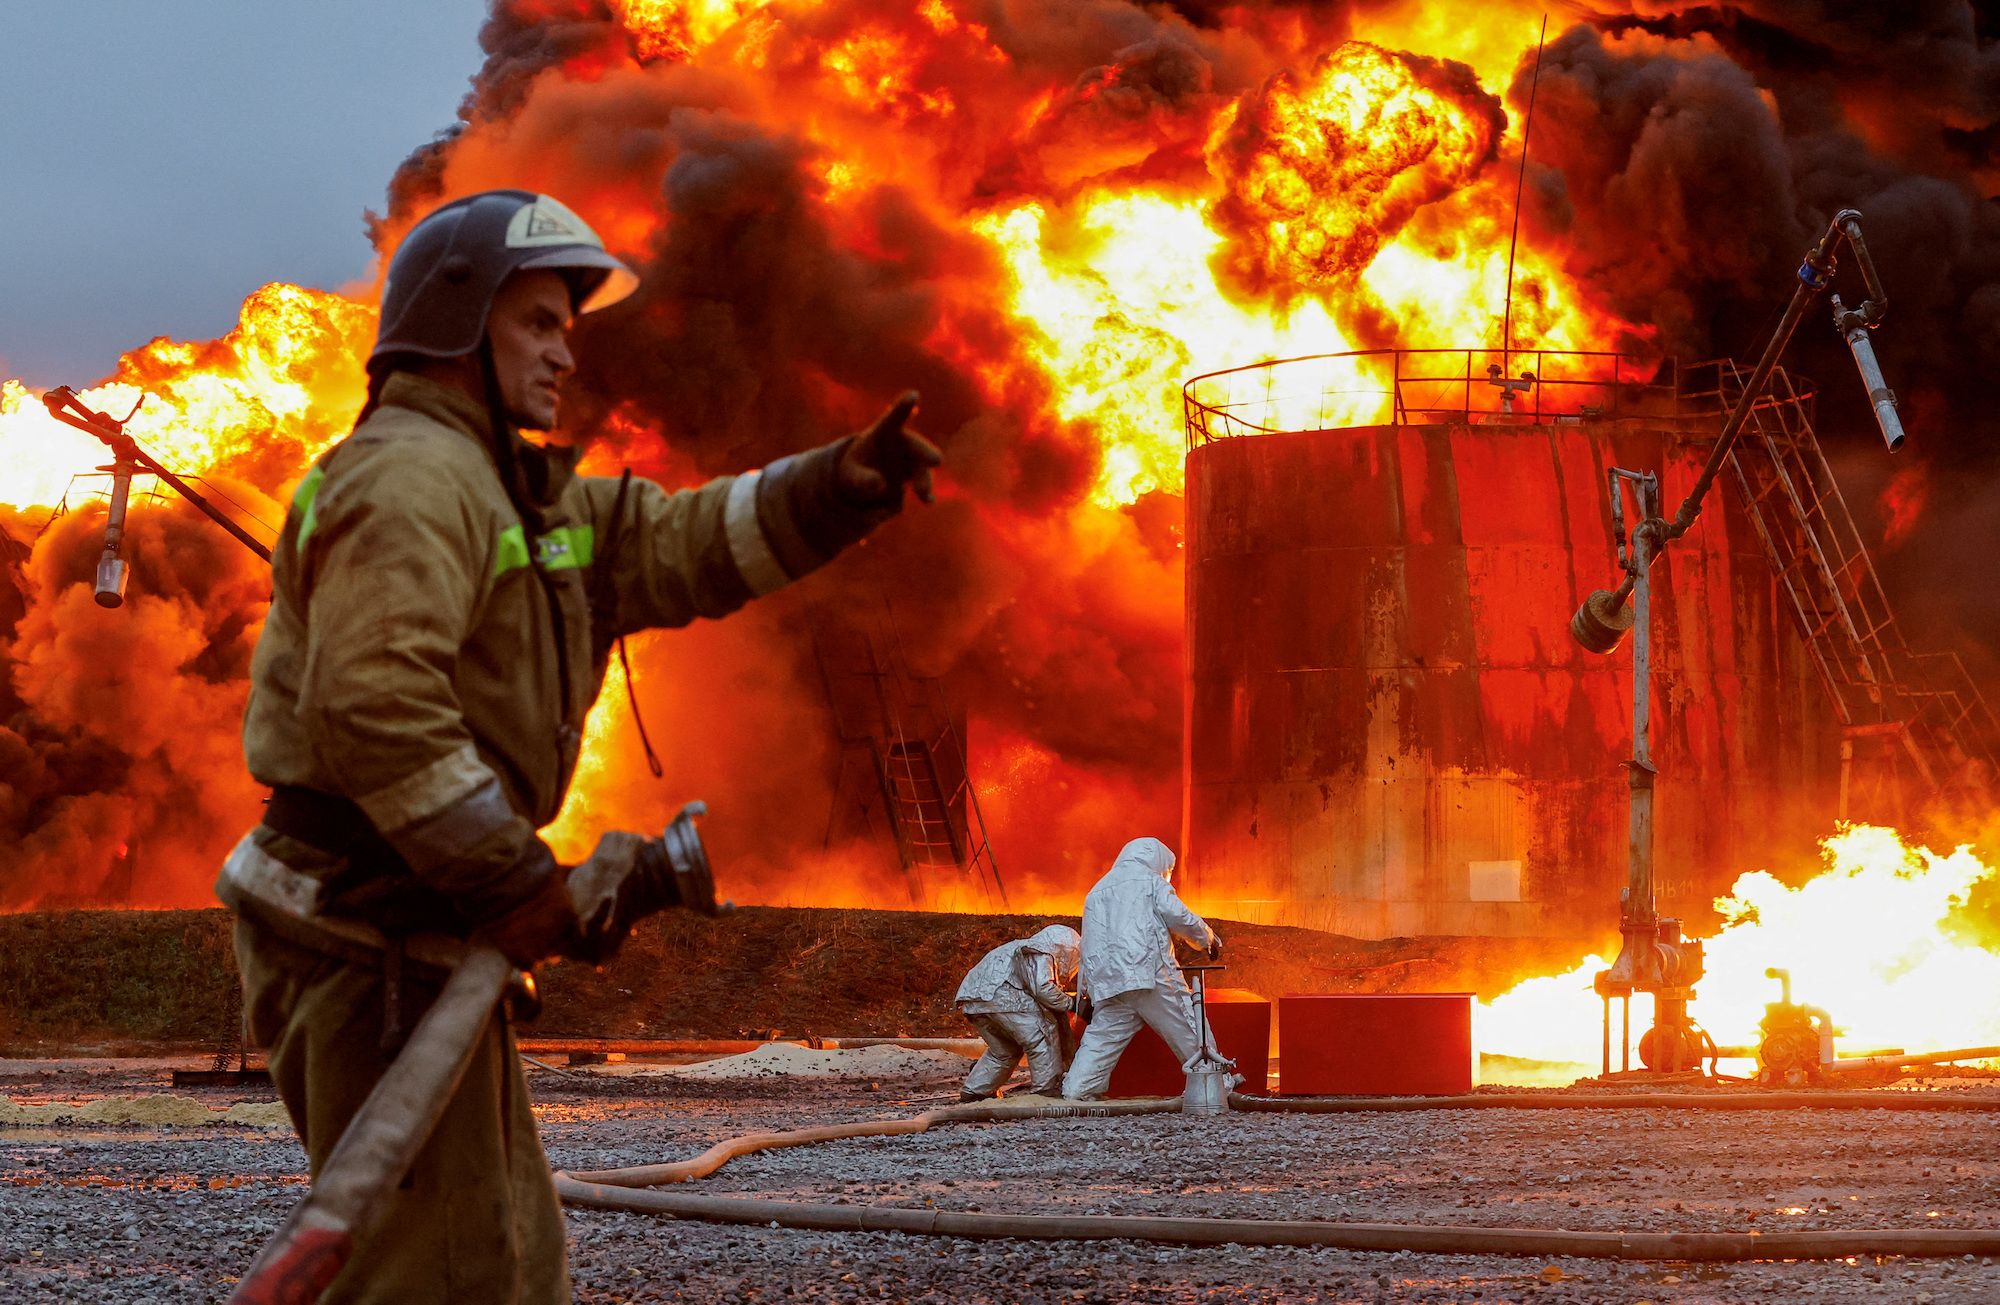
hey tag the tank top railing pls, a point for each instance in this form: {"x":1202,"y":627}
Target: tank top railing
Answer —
{"x":1427,"y":387}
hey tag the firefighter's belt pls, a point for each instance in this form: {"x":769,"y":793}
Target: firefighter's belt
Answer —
{"x":330,"y":823}
{"x":260,"y":887}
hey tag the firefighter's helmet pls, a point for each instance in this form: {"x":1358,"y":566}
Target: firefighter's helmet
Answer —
{"x":444,"y":275}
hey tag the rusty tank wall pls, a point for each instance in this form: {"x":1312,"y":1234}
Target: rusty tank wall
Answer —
{"x":1389,"y":729}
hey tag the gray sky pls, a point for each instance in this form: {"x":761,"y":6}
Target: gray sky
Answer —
{"x":162,"y":158}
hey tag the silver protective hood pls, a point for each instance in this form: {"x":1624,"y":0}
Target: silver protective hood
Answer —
{"x":996,"y":971}
{"x":1129,"y":922}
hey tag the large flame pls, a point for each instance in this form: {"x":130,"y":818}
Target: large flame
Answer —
{"x":259,"y":403}
{"x":1317,"y":173}
{"x":1298,"y":241}
{"x":1879,"y":939}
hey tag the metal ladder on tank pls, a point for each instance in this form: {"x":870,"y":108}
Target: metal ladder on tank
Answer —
{"x":919,"y":808}
{"x":914,"y":792}
{"x":1881,"y":688}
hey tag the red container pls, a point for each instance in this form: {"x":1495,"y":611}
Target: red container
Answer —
{"x":1239,"y":1026}
{"x":1375,"y":1044}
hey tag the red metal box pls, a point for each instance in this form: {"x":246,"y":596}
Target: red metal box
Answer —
{"x":1239,"y":1026}
{"x":1375,"y":1044}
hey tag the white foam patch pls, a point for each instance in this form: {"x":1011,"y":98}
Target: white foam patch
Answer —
{"x":788,"y":1060}
{"x":158,"y":1109}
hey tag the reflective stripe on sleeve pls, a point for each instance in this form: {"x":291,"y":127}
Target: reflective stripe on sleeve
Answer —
{"x":434,"y":845}
{"x":428,"y":791}
{"x":748,"y":548}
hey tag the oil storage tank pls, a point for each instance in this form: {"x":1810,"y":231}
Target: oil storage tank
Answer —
{"x":1389,"y":729}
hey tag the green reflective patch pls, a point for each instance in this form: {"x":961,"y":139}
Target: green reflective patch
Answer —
{"x":513,"y":551}
{"x":563,"y":549}
{"x":305,"y":502}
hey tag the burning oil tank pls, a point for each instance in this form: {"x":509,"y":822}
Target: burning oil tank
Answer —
{"x":1389,"y":729}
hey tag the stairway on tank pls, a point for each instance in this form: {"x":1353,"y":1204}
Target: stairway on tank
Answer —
{"x":1905,"y":715}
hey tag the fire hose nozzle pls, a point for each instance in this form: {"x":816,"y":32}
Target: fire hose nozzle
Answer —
{"x":1601,"y":623}
{"x":630,"y":878}
{"x":689,"y":860}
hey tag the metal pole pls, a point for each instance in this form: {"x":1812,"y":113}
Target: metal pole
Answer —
{"x":1639,"y":912}
{"x":111,"y":571}
{"x":213,"y":513}
{"x":1520,"y":188}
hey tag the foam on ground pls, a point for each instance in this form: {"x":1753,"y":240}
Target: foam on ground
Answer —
{"x":788,"y":1060}
{"x":158,"y":1109}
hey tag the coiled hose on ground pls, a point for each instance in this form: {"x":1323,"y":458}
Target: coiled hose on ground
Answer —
{"x":635,"y":1188}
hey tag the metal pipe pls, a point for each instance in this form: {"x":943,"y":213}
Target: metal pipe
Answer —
{"x":1924,"y":1058}
{"x":1849,"y":222}
{"x":961,"y":1046}
{"x":1814,"y":273}
{"x":1640,"y":904}
{"x":111,"y":568}
{"x":208,"y":509}
{"x":1853,"y":328}
{"x":1921,"y":1102}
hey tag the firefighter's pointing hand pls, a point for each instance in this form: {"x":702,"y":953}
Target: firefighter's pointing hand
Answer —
{"x":887,"y":456}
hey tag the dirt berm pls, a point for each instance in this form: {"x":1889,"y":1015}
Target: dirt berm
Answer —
{"x":127,"y":980}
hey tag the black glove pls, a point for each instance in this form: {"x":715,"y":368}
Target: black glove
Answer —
{"x":1084,"y":1010}
{"x":536,"y":929}
{"x":1214,"y":946}
{"x":887,"y":456}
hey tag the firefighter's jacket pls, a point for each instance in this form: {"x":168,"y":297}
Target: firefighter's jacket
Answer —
{"x":431,"y":657}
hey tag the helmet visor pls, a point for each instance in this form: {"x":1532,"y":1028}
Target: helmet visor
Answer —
{"x":600,"y":279}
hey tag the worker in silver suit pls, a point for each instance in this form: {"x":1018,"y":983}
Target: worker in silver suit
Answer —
{"x":1127,"y":975}
{"x":1018,"y":998}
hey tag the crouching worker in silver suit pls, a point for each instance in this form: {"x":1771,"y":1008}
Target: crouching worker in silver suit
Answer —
{"x":1018,"y":998}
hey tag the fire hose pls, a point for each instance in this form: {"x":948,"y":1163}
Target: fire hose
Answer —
{"x":634,"y":1190}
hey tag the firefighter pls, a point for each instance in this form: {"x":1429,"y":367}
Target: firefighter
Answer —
{"x":1017,"y":997}
{"x":445,"y":596}
{"x":1127,"y":975}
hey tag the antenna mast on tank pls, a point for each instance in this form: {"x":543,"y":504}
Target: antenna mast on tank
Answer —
{"x":1520,"y":188}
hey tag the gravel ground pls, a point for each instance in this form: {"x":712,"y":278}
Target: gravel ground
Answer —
{"x":171,"y":1214}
